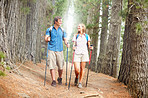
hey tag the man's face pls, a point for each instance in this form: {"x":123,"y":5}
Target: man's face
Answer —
{"x":59,"y":22}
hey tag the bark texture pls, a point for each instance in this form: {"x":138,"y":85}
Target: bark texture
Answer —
{"x":134,"y":66}
{"x":103,"y":39}
{"x":93,"y":19}
{"x":113,"y":45}
{"x":20,"y":29}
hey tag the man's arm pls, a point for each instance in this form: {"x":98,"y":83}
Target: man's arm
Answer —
{"x":66,"y":42}
{"x":47,"y":38}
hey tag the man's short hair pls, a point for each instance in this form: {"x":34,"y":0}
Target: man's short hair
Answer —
{"x":56,"y":19}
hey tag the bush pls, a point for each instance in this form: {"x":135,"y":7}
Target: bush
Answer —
{"x":2,"y":55}
{"x":2,"y":73}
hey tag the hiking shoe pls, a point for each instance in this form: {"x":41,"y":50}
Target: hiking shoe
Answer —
{"x":59,"y":81}
{"x":76,"y":82}
{"x":79,"y":85}
{"x":53,"y":83}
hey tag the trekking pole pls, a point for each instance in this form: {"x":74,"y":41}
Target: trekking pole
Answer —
{"x":66,"y":66}
{"x":88,"y":66}
{"x":46,"y":65}
{"x":71,"y":69}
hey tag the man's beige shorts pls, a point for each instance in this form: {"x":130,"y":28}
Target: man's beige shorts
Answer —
{"x":55,"y":59}
{"x":81,"y":58}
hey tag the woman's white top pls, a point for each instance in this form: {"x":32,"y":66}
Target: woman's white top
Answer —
{"x":81,"y":44}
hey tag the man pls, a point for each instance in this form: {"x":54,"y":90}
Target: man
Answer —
{"x":54,"y":36}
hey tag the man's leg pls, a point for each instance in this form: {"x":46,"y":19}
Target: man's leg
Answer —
{"x":52,"y":72}
{"x":60,"y":64}
{"x":52,"y":64}
{"x":60,"y":71}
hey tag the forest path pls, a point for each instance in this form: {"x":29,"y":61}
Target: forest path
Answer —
{"x":31,"y":85}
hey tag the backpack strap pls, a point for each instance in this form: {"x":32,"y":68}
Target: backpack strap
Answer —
{"x":62,"y":29}
{"x":86,"y":35}
{"x":77,"y":36}
{"x":63,"y":32}
{"x":50,"y":29}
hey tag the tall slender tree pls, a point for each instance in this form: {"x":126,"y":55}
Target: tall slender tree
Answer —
{"x":113,"y":45}
{"x":103,"y":38}
{"x":95,"y":34}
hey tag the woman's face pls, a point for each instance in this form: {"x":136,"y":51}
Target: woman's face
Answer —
{"x":79,"y":28}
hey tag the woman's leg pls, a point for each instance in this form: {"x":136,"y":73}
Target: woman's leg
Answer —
{"x":82,"y":71}
{"x":76,"y":66}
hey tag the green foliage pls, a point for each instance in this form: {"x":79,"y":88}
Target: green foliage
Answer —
{"x":138,"y":28}
{"x":1,"y":63}
{"x":25,"y":10}
{"x":82,"y":14}
{"x":25,"y":1}
{"x":141,"y":4}
{"x":43,"y":50}
{"x":61,"y":7}
{"x":8,"y":68}
{"x":123,"y":14}
{"x":2,"y":73}
{"x":2,"y":55}
{"x":90,"y":26}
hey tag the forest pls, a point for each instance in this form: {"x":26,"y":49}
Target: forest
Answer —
{"x":118,"y":30}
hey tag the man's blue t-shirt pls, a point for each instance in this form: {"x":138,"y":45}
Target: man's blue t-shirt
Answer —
{"x":56,"y":41}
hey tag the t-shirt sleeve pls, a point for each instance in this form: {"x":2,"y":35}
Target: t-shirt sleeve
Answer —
{"x":74,"y":38}
{"x":89,"y":38}
{"x":65,"y":35}
{"x":47,"y":32}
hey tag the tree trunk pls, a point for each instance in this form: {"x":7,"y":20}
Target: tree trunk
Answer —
{"x":113,"y":46}
{"x":126,"y":57}
{"x":95,"y":36}
{"x":138,"y":79}
{"x":93,"y":18}
{"x":133,"y":70}
{"x":103,"y":39}
{"x":20,"y":27}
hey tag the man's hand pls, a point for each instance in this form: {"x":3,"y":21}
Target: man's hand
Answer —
{"x":47,"y":38}
{"x":67,"y":45}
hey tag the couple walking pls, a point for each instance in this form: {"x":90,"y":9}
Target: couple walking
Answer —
{"x":55,"y":36}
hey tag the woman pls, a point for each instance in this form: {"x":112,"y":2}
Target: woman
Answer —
{"x":81,"y":44}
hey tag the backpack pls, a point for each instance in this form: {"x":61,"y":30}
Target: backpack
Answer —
{"x":50,"y":29}
{"x":86,"y":35}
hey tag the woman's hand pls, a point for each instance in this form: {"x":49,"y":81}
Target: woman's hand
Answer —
{"x":74,"y":47}
{"x":91,"y":47}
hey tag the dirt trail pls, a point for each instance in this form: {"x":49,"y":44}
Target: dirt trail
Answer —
{"x":31,"y":85}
